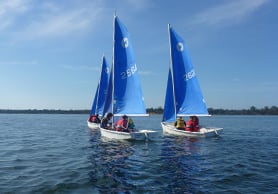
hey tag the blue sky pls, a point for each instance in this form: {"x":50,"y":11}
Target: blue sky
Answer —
{"x":50,"y":51}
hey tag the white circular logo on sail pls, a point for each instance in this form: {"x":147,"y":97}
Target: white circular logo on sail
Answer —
{"x":180,"y":46}
{"x":107,"y":70}
{"x":125,"y":42}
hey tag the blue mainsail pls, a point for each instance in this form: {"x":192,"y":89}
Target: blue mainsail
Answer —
{"x":101,"y":92}
{"x":124,"y":86}
{"x":187,"y":94}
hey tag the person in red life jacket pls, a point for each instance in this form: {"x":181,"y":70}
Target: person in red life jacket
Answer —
{"x":192,"y":124}
{"x":94,"y":119}
{"x":91,"y":118}
{"x":122,"y":124}
{"x":180,"y":124}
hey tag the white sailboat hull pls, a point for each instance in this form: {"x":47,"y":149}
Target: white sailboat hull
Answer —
{"x":93,"y":126}
{"x":138,"y":135}
{"x":169,"y":128}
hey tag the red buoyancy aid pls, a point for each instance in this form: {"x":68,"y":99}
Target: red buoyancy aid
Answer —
{"x":94,"y":118}
{"x":189,"y":125}
{"x":195,"y":127}
{"x":121,"y":125}
{"x":192,"y":126}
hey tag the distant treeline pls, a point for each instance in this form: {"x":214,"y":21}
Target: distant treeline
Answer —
{"x":273,"y":110}
{"x":251,"y":111}
{"x":43,"y":111}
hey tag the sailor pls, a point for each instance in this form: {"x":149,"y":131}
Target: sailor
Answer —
{"x":94,"y":119}
{"x":122,"y":124}
{"x":105,"y":121}
{"x":131,"y":124}
{"x":180,"y":124}
{"x":192,"y":124}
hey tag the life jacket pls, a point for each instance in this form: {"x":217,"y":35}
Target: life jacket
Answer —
{"x":94,"y":118}
{"x":121,"y":125}
{"x":195,"y":126}
{"x":192,"y":126}
{"x":189,"y":125}
{"x":180,"y":124}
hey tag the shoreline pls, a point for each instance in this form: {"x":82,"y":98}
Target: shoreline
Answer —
{"x":152,"y":111}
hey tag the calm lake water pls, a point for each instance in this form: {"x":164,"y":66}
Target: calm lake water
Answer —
{"x":59,"y":154}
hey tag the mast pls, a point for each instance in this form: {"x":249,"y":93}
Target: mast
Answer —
{"x":171,"y":68}
{"x":113,"y":63}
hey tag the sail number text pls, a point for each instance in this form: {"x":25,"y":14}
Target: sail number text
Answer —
{"x":129,"y":72}
{"x":189,"y":75}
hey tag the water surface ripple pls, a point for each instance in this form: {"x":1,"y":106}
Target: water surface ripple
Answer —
{"x":59,"y":154}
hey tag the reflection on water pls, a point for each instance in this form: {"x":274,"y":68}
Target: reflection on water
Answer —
{"x":123,"y":166}
{"x":180,"y":162}
{"x":110,"y":166}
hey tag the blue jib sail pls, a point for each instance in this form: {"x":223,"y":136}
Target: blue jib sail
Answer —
{"x":101,"y":92}
{"x":169,"y":113}
{"x":187,"y":93}
{"x":94,"y":106}
{"x":126,"y":92}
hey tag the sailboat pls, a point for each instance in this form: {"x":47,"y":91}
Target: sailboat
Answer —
{"x":124,"y":90}
{"x":183,"y":94}
{"x":100,"y":95}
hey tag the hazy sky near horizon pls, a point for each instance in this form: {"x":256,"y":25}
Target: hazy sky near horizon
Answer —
{"x":51,"y":50}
